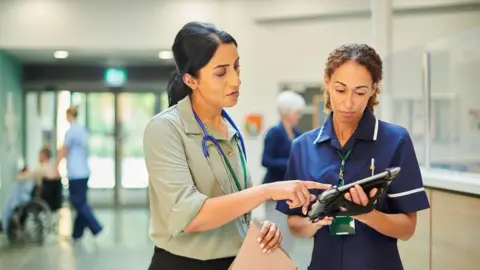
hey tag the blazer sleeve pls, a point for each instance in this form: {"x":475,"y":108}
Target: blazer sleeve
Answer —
{"x":269,"y":159}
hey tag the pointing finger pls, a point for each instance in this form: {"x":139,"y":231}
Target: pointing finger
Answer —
{"x":315,"y":185}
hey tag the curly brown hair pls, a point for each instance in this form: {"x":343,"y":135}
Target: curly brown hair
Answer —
{"x":361,"y":54}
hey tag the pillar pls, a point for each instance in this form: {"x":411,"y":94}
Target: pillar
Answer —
{"x":382,"y":37}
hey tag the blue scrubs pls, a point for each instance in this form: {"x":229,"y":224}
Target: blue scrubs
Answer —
{"x":78,"y":172}
{"x":276,"y":152}
{"x":314,"y":157}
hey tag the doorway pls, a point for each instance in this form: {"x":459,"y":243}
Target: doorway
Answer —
{"x":115,"y":121}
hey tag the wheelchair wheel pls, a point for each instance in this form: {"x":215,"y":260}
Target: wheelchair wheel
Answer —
{"x":14,"y":232}
{"x":30,"y":224}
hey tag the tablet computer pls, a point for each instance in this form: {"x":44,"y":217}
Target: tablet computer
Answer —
{"x":330,"y":202}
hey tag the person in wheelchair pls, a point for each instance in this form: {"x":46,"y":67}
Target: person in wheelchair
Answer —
{"x":37,"y":190}
{"x":46,"y":170}
{"x":47,"y":179}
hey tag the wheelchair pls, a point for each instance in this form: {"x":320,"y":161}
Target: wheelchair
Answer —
{"x":34,"y":220}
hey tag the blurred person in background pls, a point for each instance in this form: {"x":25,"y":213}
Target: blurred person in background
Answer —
{"x":22,"y":192}
{"x":201,"y":194}
{"x":46,"y":176}
{"x":276,"y":151}
{"x":46,"y":169}
{"x":353,"y":144}
{"x":75,"y":150}
{"x":279,"y":138}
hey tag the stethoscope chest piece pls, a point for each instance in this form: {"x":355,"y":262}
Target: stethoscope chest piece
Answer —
{"x":228,"y":167}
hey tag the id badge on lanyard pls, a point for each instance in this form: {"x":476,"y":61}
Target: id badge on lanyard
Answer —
{"x":342,"y":225}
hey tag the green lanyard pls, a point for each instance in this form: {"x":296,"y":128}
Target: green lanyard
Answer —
{"x":232,"y":172}
{"x":342,"y":166}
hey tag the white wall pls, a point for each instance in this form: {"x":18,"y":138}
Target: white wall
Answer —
{"x":92,"y":24}
{"x":150,"y":24}
{"x":40,"y":113}
{"x":274,"y":54}
{"x":33,"y":130}
{"x":296,"y":53}
{"x":270,"y":54}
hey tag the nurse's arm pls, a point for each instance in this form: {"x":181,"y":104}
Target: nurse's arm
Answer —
{"x":302,"y":226}
{"x":400,"y":226}
{"x":62,"y":152}
{"x":409,"y":182}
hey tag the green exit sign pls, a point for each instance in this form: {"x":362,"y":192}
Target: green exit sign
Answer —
{"x":115,"y":77}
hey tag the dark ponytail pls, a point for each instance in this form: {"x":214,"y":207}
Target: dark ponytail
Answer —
{"x":177,"y":89}
{"x":194,"y":46}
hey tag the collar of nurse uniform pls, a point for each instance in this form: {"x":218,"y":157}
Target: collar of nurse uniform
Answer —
{"x":367,"y":128}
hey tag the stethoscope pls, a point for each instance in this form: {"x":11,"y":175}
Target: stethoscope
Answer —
{"x":207,"y":137}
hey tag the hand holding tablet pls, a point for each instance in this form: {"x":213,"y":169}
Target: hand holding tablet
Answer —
{"x":333,"y":202}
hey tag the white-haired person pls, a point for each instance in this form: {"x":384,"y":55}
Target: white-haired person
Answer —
{"x":278,"y":142}
{"x":279,"y":138}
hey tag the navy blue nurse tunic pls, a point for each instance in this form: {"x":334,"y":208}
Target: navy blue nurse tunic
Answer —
{"x":314,"y":157}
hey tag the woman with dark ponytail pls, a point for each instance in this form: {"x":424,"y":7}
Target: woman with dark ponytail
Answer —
{"x":201,"y":194}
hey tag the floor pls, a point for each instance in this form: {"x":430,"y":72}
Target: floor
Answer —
{"x":123,"y":245}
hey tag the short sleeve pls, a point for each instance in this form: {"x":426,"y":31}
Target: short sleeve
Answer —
{"x":170,"y":180}
{"x":406,"y":193}
{"x":69,"y":136}
{"x":293,"y":166}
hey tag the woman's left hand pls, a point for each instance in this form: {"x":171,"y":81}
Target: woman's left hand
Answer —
{"x":358,"y":196}
{"x":270,"y":236}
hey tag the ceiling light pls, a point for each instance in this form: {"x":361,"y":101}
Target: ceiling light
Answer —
{"x":60,"y":54}
{"x":165,"y":55}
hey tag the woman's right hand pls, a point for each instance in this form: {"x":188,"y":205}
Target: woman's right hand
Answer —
{"x":296,"y":192}
{"x":323,"y":222}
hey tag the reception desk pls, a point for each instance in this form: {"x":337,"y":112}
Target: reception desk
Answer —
{"x":447,"y":235}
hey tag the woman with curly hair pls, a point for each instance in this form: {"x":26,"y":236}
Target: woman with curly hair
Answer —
{"x":353,"y":144}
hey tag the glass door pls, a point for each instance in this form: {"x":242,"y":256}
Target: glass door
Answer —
{"x":134,"y":112}
{"x":100,"y":122}
{"x":115,"y":122}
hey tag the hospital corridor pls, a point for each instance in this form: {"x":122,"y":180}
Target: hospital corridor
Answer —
{"x":125,"y":246}
{"x":235,"y":134}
